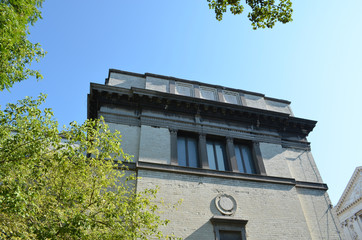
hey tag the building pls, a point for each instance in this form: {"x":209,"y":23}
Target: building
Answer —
{"x":349,"y":207}
{"x":239,"y":160}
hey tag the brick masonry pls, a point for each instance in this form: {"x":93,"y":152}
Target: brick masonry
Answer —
{"x":281,"y":209}
{"x":273,"y":211}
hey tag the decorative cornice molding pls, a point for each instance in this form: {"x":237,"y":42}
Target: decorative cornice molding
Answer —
{"x":352,"y":204}
{"x":170,"y":78}
{"x":311,"y":185}
{"x":351,"y":182}
{"x":228,"y":220}
{"x":177,"y":104}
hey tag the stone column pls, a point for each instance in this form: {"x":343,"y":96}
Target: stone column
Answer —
{"x":259,"y":163}
{"x":356,"y":225}
{"x":346,"y":230}
{"x":203,"y":151}
{"x":358,"y":219}
{"x":173,"y":133}
{"x":230,"y":151}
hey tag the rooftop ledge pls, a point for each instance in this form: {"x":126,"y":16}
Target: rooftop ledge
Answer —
{"x":194,"y":89}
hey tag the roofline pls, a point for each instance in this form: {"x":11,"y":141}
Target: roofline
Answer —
{"x":347,"y":189}
{"x":122,"y":91}
{"x":193,"y":82}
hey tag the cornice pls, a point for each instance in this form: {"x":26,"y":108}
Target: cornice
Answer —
{"x":230,"y":221}
{"x":351,"y":182}
{"x":194,"y":82}
{"x":352,"y":204}
{"x":160,"y":101}
{"x":123,"y":72}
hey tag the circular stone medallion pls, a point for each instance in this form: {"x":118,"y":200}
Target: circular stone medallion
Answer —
{"x":226,"y":204}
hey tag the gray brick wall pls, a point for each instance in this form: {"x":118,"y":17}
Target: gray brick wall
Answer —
{"x":155,"y":145}
{"x":273,"y":211}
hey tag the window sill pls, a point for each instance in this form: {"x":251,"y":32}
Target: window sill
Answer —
{"x":229,"y":175}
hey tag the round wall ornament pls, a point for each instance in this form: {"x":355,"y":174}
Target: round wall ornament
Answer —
{"x":226,"y":204}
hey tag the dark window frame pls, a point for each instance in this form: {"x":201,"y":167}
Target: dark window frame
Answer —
{"x":226,"y":157}
{"x":229,"y":144}
{"x":188,"y":136}
{"x":228,"y":224}
{"x":248,"y":144}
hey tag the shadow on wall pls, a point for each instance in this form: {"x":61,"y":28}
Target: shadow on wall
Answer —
{"x":271,"y":151}
{"x":213,"y":208}
{"x":204,"y":232}
{"x":304,"y":164}
{"x":324,"y":224}
{"x":298,"y":163}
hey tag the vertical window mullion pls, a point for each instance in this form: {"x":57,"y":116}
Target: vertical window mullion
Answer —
{"x":187,"y":150}
{"x":231,"y":155}
{"x":259,"y":163}
{"x":203,"y":155}
{"x":174,"y":142}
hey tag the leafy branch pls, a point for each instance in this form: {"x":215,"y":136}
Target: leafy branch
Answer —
{"x":264,"y":13}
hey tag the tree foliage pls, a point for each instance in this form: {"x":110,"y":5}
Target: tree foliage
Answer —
{"x":264,"y":13}
{"x":16,"y":51}
{"x":67,"y":184}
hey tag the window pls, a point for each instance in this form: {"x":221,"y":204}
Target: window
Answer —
{"x":230,"y":235}
{"x":187,"y":151}
{"x":244,"y":158}
{"x":216,"y":155}
{"x":199,"y":150}
{"x":227,"y":228}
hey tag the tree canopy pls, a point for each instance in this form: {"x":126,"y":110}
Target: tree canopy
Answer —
{"x":16,"y":51}
{"x":264,"y":13}
{"x":67,"y":184}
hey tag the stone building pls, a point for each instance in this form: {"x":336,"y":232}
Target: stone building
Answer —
{"x":349,"y":207}
{"x":239,"y":160}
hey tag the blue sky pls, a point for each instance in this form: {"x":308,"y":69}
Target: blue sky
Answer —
{"x":314,"y":62}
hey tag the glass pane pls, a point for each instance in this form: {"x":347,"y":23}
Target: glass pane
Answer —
{"x":230,"y":235}
{"x":210,"y":155}
{"x":248,"y":160}
{"x":192,"y":152}
{"x":181,"y":151}
{"x":220,"y":155}
{"x":239,"y":160}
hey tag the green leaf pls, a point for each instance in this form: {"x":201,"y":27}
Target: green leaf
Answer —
{"x":52,"y":189}
{"x":16,"y":51}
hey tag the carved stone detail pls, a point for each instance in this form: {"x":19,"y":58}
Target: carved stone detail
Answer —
{"x":226,"y":204}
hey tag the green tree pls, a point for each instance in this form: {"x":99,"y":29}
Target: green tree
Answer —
{"x":16,"y":51}
{"x":67,"y":184}
{"x":264,"y":13}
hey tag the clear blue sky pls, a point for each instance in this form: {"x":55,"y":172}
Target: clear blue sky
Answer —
{"x":314,"y":61}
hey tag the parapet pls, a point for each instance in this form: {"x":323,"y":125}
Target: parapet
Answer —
{"x":196,"y":89}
